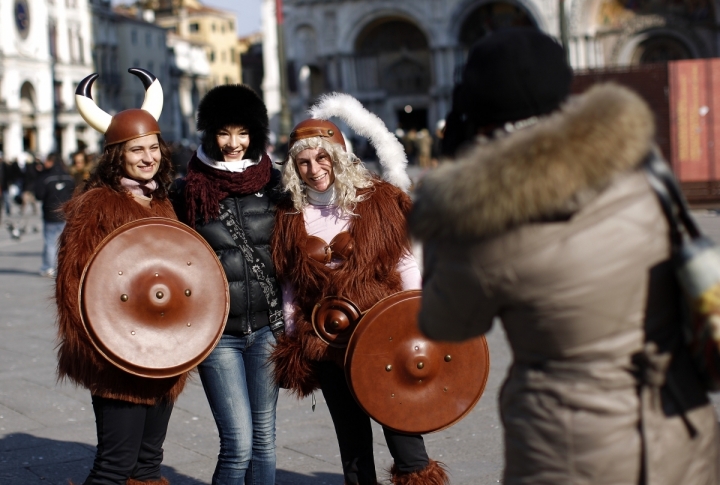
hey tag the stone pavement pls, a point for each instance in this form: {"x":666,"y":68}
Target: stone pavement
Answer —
{"x":47,"y":433}
{"x":47,"y":429}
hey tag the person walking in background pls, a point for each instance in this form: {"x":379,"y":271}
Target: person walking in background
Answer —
{"x":54,"y":186}
{"x":424,"y":143}
{"x":229,"y":197}
{"x":32,"y":169}
{"x":3,"y":185}
{"x":12,"y":175}
{"x":80,"y":169}
{"x":547,"y":221}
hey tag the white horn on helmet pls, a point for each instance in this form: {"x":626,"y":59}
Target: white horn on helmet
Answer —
{"x":153,"y":102}
{"x":91,"y":112}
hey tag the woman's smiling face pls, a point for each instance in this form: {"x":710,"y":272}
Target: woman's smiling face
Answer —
{"x":315,"y":168}
{"x":141,"y":157}
{"x":233,"y":142}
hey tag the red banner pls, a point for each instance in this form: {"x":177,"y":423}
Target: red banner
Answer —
{"x":279,"y":12}
{"x":695,"y":119}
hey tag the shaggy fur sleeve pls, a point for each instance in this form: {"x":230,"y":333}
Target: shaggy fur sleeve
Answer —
{"x":86,"y":226}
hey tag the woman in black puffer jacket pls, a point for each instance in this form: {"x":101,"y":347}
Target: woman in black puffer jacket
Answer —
{"x":229,"y":197}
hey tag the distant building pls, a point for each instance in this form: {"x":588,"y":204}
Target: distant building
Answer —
{"x":143,"y":44}
{"x":189,"y":73}
{"x":251,"y":61}
{"x":106,"y":56}
{"x":211,"y":27}
{"x":127,"y":36}
{"x":400,"y":58}
{"x":44,"y":53}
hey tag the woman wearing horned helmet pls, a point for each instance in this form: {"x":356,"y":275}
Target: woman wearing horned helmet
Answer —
{"x":341,"y":232}
{"x":130,"y":182}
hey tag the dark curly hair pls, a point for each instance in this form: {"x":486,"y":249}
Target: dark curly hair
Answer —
{"x":109,"y":170}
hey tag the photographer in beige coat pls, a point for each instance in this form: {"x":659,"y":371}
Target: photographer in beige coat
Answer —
{"x":547,"y":222}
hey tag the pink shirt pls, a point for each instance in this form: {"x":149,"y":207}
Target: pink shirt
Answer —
{"x":326,"y":222}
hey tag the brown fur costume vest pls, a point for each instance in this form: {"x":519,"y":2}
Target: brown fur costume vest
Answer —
{"x":369,"y":274}
{"x":89,"y":218}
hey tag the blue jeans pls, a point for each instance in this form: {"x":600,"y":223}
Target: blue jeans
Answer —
{"x":238,"y":381}
{"x":51,"y":233}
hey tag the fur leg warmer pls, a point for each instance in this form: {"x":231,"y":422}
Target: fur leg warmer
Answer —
{"x":162,"y":481}
{"x":433,"y":474}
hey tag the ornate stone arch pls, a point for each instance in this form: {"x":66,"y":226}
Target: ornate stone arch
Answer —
{"x":401,"y":12}
{"x":651,"y":27}
{"x":28,"y":99}
{"x":467,"y":7}
{"x":393,"y":55}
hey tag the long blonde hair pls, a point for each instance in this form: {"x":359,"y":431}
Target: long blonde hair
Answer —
{"x":350,"y":174}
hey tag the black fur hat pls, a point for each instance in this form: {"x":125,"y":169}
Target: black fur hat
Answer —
{"x":510,"y":75}
{"x":233,"y":104}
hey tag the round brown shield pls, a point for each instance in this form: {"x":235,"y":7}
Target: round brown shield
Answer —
{"x":154,"y":298}
{"x":334,"y":320}
{"x":407,"y":382}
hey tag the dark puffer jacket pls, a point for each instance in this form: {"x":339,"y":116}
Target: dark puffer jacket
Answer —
{"x":256,"y":214}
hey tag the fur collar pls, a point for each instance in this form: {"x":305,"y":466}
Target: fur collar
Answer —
{"x":550,"y":169}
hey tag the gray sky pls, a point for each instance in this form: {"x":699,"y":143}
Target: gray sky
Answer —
{"x":247,"y":12}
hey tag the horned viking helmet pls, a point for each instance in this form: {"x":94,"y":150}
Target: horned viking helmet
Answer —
{"x":128,"y":124}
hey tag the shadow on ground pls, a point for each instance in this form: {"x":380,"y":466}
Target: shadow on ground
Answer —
{"x":29,"y":460}
{"x":21,"y":254}
{"x":285,"y":477}
{"x":19,"y":271}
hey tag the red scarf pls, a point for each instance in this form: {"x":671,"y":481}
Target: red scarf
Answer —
{"x":205,"y":186}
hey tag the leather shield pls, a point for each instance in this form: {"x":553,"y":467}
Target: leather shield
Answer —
{"x":334,"y":320}
{"x":407,"y":382}
{"x":154,"y":298}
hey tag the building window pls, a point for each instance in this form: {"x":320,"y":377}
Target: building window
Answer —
{"x":194,"y":27}
{"x":133,"y":37}
{"x":213,"y":27}
{"x":57,"y":91}
{"x":148,"y":39}
{"x":151,"y":66}
{"x":232,"y":55}
{"x":136,"y":63}
{"x":231,"y":27}
{"x":71,"y":45}
{"x":227,"y":80}
{"x":81,"y":50}
{"x":222,"y":29}
{"x":212,"y":56}
{"x":161,"y":40}
{"x":53,"y":41}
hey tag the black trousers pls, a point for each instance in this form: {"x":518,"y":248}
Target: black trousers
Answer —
{"x":130,"y":438}
{"x":354,"y":433}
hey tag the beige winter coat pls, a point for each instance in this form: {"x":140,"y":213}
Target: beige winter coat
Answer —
{"x":555,"y":230}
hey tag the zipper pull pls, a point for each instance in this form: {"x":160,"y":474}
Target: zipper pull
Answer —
{"x":313,"y":401}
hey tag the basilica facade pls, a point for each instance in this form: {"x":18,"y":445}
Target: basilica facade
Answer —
{"x":44,"y":53}
{"x":401,"y":58}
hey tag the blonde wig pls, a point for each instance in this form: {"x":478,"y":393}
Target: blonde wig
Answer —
{"x":350,"y":174}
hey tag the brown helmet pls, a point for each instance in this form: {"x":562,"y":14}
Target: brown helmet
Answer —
{"x":312,"y":128}
{"x":128,"y":124}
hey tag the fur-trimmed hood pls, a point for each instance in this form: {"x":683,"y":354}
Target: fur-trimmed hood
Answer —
{"x":543,"y":171}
